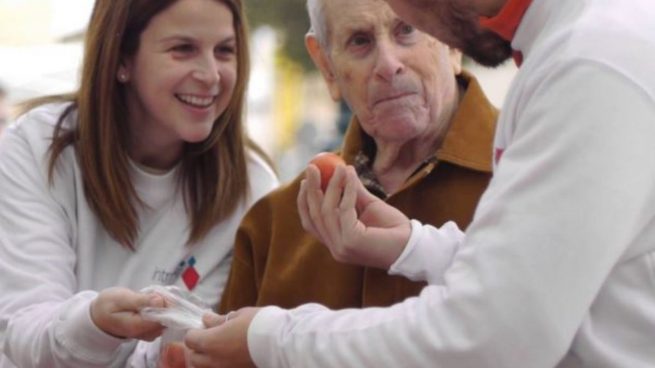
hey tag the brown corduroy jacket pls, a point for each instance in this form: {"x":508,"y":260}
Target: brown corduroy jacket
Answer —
{"x":277,"y":263}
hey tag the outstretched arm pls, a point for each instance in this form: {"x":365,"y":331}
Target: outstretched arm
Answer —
{"x":543,"y":243}
{"x":44,"y":320}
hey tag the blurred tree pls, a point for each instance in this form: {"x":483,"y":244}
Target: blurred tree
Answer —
{"x":290,"y":19}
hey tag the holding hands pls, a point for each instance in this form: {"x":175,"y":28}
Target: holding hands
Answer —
{"x":356,"y":226}
{"x":223,"y":343}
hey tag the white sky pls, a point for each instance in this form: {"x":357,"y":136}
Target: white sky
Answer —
{"x":69,"y":16}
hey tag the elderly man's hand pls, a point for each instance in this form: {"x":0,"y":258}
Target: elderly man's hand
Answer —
{"x":356,"y":226}
{"x":223,"y":343}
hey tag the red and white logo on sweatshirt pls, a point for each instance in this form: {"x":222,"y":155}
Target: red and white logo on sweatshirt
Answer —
{"x":190,"y":276}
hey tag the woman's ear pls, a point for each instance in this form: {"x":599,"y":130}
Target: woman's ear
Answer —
{"x":322,"y":62}
{"x":123,"y":74}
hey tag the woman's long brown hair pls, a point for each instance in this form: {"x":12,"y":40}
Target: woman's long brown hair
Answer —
{"x":213,"y":173}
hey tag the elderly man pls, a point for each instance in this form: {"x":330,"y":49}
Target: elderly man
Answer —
{"x":420,"y":139}
{"x":556,"y":268}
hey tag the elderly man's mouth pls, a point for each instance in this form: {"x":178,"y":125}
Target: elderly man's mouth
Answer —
{"x":394,"y":98}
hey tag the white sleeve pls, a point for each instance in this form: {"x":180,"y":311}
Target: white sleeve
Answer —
{"x":146,"y":355}
{"x":429,"y":252}
{"x":43,"y":322}
{"x":572,"y":191}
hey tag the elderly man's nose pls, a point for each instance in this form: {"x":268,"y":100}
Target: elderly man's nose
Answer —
{"x":388,"y":63}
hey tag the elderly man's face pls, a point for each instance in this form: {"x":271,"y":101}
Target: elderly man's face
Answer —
{"x":456,"y":24}
{"x":399,"y":82}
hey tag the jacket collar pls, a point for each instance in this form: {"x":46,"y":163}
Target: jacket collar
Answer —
{"x":468,"y":142}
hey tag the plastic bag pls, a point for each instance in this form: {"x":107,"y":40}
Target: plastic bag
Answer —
{"x":183,"y":310}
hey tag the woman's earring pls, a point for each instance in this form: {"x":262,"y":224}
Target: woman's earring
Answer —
{"x":122,"y":77}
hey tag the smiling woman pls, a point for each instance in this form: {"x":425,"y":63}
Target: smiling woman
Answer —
{"x":180,"y":79}
{"x":141,"y":177}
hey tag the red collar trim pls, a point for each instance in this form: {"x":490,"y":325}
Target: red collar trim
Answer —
{"x":508,"y":19}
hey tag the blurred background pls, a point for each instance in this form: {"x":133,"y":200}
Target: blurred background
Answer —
{"x":290,"y":113}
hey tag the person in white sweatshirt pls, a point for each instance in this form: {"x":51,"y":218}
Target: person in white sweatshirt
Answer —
{"x":141,"y":177}
{"x":557,"y":268}
{"x":4,"y":108}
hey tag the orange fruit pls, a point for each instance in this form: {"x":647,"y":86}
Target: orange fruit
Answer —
{"x":327,"y":162}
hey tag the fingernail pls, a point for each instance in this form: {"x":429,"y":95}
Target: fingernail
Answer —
{"x":155,"y":300}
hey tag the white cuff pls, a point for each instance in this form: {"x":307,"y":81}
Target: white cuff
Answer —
{"x":429,"y":252}
{"x":262,"y":337}
{"x":400,"y":266}
{"x":77,"y":333}
{"x":273,"y":330}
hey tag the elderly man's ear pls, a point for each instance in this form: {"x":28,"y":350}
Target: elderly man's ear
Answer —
{"x":323,"y":64}
{"x":455,"y":60}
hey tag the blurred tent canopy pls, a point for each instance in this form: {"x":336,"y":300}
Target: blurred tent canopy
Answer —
{"x":290,"y":19}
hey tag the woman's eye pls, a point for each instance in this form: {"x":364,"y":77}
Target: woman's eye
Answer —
{"x":226,"y":50}
{"x":185,"y":48}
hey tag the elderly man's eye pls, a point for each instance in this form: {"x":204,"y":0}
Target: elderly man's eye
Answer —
{"x":406,"y":29}
{"x":360,"y":40}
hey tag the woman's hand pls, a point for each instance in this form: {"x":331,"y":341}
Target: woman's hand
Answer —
{"x":116,"y":312}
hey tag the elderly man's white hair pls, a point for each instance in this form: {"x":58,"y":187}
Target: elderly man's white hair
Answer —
{"x":317,"y":21}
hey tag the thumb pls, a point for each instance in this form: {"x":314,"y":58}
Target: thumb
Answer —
{"x":139,"y":301}
{"x":212,"y":320}
{"x":154,"y":300}
{"x":364,"y":197}
{"x":128,"y":300}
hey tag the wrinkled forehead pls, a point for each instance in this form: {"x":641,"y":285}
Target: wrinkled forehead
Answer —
{"x":417,"y":5}
{"x":347,"y":16}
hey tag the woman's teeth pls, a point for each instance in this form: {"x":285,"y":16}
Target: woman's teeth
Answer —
{"x":196,"y":101}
